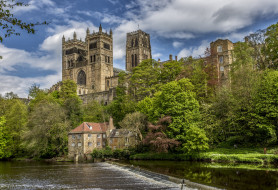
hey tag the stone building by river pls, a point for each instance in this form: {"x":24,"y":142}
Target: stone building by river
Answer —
{"x":89,"y":136}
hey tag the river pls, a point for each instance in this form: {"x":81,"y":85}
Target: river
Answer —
{"x":224,"y":176}
{"x":43,"y":175}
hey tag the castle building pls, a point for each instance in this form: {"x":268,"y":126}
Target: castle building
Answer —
{"x":222,"y":57}
{"x":90,"y":63}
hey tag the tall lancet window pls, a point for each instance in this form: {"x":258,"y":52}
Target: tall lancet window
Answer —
{"x":81,"y":78}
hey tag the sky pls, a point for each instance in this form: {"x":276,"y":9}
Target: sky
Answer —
{"x":177,"y":27}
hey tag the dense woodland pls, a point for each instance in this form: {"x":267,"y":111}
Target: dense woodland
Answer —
{"x":178,"y":108}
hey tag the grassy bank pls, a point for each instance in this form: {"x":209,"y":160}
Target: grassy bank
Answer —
{"x":218,"y":155}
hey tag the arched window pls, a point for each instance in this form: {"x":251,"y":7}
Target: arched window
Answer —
{"x":135,"y":61}
{"x":136,"y":42}
{"x":132,"y":60}
{"x":108,"y":83}
{"x":81,"y":78}
{"x":132,"y":43}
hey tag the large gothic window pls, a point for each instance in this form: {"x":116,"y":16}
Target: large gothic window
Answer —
{"x":132,"y":60}
{"x":136,"y":42}
{"x":135,"y":61}
{"x":81,"y":78}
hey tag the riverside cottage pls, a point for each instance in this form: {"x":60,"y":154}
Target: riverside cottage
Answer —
{"x":89,"y":136}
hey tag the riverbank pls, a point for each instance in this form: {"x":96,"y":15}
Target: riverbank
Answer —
{"x":243,"y":155}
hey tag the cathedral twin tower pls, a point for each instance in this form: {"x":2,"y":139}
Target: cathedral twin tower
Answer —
{"x":90,"y":63}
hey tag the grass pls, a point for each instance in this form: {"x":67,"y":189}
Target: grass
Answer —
{"x":243,"y":155}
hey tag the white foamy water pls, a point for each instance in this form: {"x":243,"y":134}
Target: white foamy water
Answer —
{"x":96,"y":176}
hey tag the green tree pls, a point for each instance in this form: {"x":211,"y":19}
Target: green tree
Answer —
{"x":135,"y":121}
{"x":195,"y":140}
{"x":71,"y":102}
{"x":47,"y":132}
{"x":144,"y":79}
{"x":178,"y":100}
{"x":271,"y":48}
{"x":94,"y":112}
{"x":5,"y":140}
{"x":16,"y":120}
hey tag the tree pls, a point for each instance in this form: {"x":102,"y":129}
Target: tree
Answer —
{"x":144,"y":79}
{"x":135,"y":121}
{"x":176,"y":99}
{"x":5,"y":139}
{"x":195,"y":140}
{"x":156,"y":137}
{"x":94,"y":112}
{"x":47,"y":132}
{"x":256,"y":41}
{"x":16,"y":120}
{"x":271,"y":48}
{"x":71,"y":102}
{"x":8,"y":21}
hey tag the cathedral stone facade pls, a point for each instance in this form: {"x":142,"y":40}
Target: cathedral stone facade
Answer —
{"x":90,"y":63}
{"x":138,"y":48}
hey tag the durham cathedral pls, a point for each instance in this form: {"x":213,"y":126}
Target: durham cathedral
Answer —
{"x":90,"y":63}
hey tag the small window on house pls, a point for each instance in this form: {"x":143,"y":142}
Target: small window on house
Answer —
{"x":103,"y":136}
{"x":103,"y":143}
{"x":221,"y":59}
{"x":90,"y":127}
{"x":89,"y":135}
{"x":79,"y":144}
{"x":90,"y":144}
{"x":73,"y":136}
{"x":117,"y":133}
{"x":98,"y":143}
{"x":78,"y":136}
{"x":221,"y":68}
{"x":219,"y":48}
{"x":91,"y":58}
{"x":94,"y":58}
{"x":108,"y":83}
{"x":73,"y":144}
{"x":98,"y":135}
{"x":108,"y":59}
{"x":114,"y":147}
{"x":111,"y":140}
{"x":127,"y":139}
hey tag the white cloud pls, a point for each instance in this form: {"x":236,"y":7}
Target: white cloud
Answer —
{"x":20,"y":86}
{"x":194,"y":51}
{"x":177,"y":44}
{"x":179,"y":18}
{"x":156,"y":55}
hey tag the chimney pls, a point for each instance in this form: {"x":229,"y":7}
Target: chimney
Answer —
{"x":170,"y":57}
{"x":176,"y":58}
{"x":111,"y":125}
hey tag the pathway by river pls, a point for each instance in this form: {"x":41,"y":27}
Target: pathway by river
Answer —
{"x":41,"y":175}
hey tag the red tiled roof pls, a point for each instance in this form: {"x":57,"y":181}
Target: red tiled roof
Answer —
{"x":95,"y":127}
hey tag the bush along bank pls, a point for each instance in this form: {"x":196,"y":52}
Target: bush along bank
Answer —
{"x":254,"y":156}
{"x":215,"y":155}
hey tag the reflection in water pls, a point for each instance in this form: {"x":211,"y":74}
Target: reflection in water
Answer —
{"x":40,"y":175}
{"x":217,"y":175}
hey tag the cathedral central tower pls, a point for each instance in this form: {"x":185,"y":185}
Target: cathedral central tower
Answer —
{"x":138,"y":48}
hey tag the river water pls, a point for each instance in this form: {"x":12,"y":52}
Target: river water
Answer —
{"x":41,"y":175}
{"x":224,"y":176}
